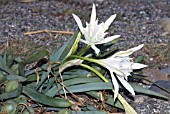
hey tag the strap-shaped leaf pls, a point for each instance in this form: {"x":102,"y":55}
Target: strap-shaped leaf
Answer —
{"x":11,"y":94}
{"x":4,"y":67}
{"x":21,"y":68}
{"x":140,"y":89}
{"x":89,"y":87}
{"x":59,"y":55}
{"x":9,"y":60}
{"x":108,"y":86}
{"x":43,"y":77}
{"x":49,"y":85}
{"x":5,"y":55}
{"x":16,"y":77}
{"x":37,"y":56}
{"x":53,"y":90}
{"x":41,"y":98}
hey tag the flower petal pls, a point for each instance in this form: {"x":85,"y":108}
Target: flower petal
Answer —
{"x":108,"y":39}
{"x":115,"y":84}
{"x":111,"y":63}
{"x":69,"y":64}
{"x":79,"y":23}
{"x":126,"y":85}
{"x":128,"y":52}
{"x":95,"y":49}
{"x":138,"y":66}
{"x":109,"y":21}
{"x":93,"y":15}
{"x":136,"y":48}
{"x":84,"y":41}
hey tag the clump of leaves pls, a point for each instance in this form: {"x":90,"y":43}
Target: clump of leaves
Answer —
{"x":45,"y":87}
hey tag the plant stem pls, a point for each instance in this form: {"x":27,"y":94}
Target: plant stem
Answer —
{"x":83,"y":50}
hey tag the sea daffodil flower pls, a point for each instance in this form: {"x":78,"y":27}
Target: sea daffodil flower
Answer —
{"x":94,"y":33}
{"x":122,"y":66}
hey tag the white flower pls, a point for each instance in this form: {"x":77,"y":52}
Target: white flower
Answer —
{"x":71,"y":63}
{"x":122,"y":66}
{"x":94,"y":33}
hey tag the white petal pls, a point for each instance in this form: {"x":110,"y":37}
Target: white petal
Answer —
{"x":136,"y":48}
{"x":118,"y":71}
{"x":109,"y":21}
{"x":108,"y":39}
{"x":95,"y":49}
{"x":69,"y":64}
{"x":126,"y":85}
{"x":79,"y":23}
{"x":84,"y":41}
{"x":93,"y":15}
{"x":115,"y":84}
{"x":128,"y":52}
{"x":138,"y":66}
{"x":110,"y":63}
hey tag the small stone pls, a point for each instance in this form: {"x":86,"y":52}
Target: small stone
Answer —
{"x":139,"y":98}
{"x":166,"y":70}
{"x":165,"y":25}
{"x":151,"y":59}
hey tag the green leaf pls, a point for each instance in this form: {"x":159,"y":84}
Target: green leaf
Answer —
{"x":37,"y":56}
{"x":32,"y":77}
{"x":53,"y":91}
{"x":4,"y":67}
{"x":5,"y":55}
{"x":16,"y":77}
{"x":9,"y":60}
{"x":59,"y":55}
{"x":139,"y":59}
{"x":108,"y":86}
{"x":21,"y":68}
{"x":39,"y":97}
{"x":140,"y":89}
{"x":11,"y":94}
{"x":19,"y":59}
{"x":76,"y":73}
{"x":2,"y":77}
{"x":89,"y":87}
{"x":49,"y":85}
{"x":43,"y":78}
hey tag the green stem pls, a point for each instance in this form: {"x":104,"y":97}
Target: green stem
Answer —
{"x":83,"y":50}
{"x":95,"y":71}
{"x":84,"y":58}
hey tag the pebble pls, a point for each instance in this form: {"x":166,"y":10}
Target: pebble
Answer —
{"x":165,"y":24}
{"x":166,"y":70}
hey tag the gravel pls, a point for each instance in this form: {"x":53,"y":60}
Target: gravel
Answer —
{"x":137,"y":22}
